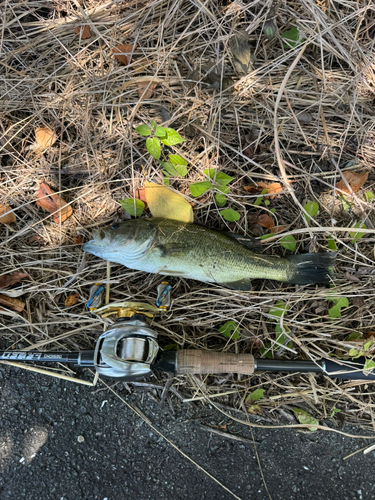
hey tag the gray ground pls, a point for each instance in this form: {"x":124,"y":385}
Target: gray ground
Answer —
{"x":67,"y":442}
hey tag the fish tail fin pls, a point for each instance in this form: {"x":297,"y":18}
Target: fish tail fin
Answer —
{"x":311,"y":268}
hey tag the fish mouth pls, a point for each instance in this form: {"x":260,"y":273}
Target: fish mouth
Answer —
{"x":99,"y":243}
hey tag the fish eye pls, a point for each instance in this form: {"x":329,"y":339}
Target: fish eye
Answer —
{"x":115,"y":226}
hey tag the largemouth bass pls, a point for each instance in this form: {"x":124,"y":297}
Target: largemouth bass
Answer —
{"x":175,"y":248}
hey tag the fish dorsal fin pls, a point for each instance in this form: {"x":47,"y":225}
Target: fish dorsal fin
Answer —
{"x":249,"y":242}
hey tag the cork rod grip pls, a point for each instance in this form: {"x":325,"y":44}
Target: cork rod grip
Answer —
{"x":214,"y":362}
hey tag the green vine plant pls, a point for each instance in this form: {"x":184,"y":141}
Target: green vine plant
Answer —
{"x":157,"y":138}
{"x":176,"y":166}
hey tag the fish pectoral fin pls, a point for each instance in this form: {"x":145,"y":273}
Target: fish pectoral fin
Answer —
{"x":173,"y":249}
{"x":244,"y":285}
{"x":249,"y":242}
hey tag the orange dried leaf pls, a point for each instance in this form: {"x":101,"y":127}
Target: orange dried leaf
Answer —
{"x":6,"y":216}
{"x":51,"y":202}
{"x":141,"y":194}
{"x":77,"y":240}
{"x":355,"y":181}
{"x":145,"y":92}
{"x":45,"y":137}
{"x":12,"y":303}
{"x":71,"y":300}
{"x":7,"y":280}
{"x":277,"y":229}
{"x":36,"y":240}
{"x":123,"y":52}
{"x":265,"y":220}
{"x":273,"y":188}
{"x":83,"y":31}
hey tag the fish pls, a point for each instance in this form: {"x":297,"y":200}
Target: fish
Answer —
{"x":187,"y":250}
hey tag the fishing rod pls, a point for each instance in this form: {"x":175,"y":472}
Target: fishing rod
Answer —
{"x":129,"y":350}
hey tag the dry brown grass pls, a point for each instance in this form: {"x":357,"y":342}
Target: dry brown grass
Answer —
{"x":50,"y":77}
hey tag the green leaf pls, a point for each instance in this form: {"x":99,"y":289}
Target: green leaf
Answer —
{"x":265,"y":352}
{"x":354,"y":336}
{"x":259,"y":200}
{"x":230,"y":330}
{"x":265,"y":236}
{"x":198,"y":188}
{"x":369,"y":196}
{"x":177,"y":160}
{"x":170,"y":347}
{"x":305,"y":418}
{"x":367,"y":346}
{"x":291,"y":37}
{"x":172,"y":137}
{"x":267,"y":202}
{"x":312,"y":208}
{"x":332,"y":244}
{"x":160,"y":132}
{"x":281,"y":337}
{"x":230,"y":215}
{"x":220,"y":199}
{"x":357,"y":235}
{"x":152,"y":123}
{"x":255,"y":395}
{"x":174,"y":170}
{"x":354,"y":353}
{"x":334,"y":411}
{"x":133,"y":206}
{"x":219,"y":177}
{"x":143,"y":130}
{"x":340,"y":302}
{"x":368,"y":366}
{"x":153,"y":147}
{"x":345,"y":203}
{"x":272,"y":210}
{"x":278,"y":309}
{"x":223,"y":189}
{"x":166,"y":177}
{"x":288,"y":242}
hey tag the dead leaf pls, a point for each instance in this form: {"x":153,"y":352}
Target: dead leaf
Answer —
{"x":140,"y":194}
{"x":265,"y":220}
{"x":36,"y":240}
{"x":273,"y":188}
{"x":45,"y":137}
{"x":145,"y":92}
{"x":123,"y":52}
{"x":277,"y":229}
{"x":6,"y":216}
{"x":51,"y":202}
{"x":166,"y":204}
{"x":351,"y":277}
{"x":242,"y":57}
{"x":77,"y":240}
{"x":11,"y":303}
{"x":83,"y":31}
{"x":358,"y":302}
{"x":7,"y":280}
{"x":355,"y":181}
{"x":71,"y":300}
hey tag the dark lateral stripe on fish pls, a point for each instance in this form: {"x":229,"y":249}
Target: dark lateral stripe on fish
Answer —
{"x":312,"y":268}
